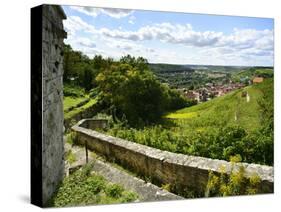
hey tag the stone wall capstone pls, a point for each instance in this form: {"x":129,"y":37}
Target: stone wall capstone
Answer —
{"x":52,"y":91}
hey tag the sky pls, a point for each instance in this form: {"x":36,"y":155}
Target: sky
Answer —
{"x":169,"y":37}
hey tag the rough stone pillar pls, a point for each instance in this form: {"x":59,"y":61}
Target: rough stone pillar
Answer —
{"x":52,"y":58}
{"x":52,"y":146}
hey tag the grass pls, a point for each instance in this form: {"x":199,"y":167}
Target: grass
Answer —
{"x":226,"y":110}
{"x":251,"y":73}
{"x":72,"y":102}
{"x":76,"y":100}
{"x":181,"y":115}
{"x":80,"y":109}
{"x":85,"y":188}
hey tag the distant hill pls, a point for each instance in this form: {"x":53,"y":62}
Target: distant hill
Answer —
{"x":253,"y":72}
{"x":233,"y":108}
{"x":162,"y":67}
{"x":165,"y":68}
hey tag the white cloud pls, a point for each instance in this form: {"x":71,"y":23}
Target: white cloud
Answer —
{"x":86,"y":42}
{"x":248,"y":38}
{"x":74,"y":23}
{"x":242,"y":46}
{"x":112,"y":12}
{"x":185,"y":35}
{"x":166,"y":32}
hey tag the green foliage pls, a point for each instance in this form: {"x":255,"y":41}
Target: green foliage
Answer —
{"x":221,"y":143}
{"x":84,"y":188}
{"x":87,"y":77}
{"x":71,"y":138}
{"x":133,"y":92}
{"x":70,"y":103}
{"x":70,"y":157}
{"x":127,"y":88}
{"x":250,"y":73}
{"x":76,"y":110}
{"x":173,"y":100}
{"x":114,"y":191}
{"x":80,"y":70}
{"x":133,"y":96}
{"x":140,"y":63}
{"x":94,"y":92}
{"x":236,"y":183}
{"x":73,"y":91}
{"x":206,"y":129}
{"x":166,"y":187}
{"x":192,"y":76}
{"x":266,"y":73}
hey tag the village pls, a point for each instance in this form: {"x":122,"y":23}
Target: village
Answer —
{"x":212,"y":90}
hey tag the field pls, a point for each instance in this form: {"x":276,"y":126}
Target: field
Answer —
{"x":230,"y":109}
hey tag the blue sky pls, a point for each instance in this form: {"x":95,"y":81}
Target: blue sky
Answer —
{"x":168,"y":37}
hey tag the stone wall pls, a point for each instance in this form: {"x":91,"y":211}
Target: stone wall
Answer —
{"x":89,"y":112}
{"x":182,"y":171}
{"x":52,"y":91}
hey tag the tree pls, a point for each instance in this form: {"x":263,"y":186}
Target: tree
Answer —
{"x":140,"y":63}
{"x":135,"y":93}
{"x":88,"y":75}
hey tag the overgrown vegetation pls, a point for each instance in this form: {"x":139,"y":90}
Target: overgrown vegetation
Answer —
{"x":70,"y":157}
{"x":85,"y":188}
{"x":71,"y":138}
{"x":236,"y":183}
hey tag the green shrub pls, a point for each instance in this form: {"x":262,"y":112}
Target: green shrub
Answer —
{"x":94,"y":92}
{"x":233,"y":184}
{"x":70,"y":157}
{"x":74,"y":91}
{"x":84,"y":188}
{"x":166,"y":187}
{"x":71,"y":138}
{"x":217,"y":143}
{"x":114,"y":191}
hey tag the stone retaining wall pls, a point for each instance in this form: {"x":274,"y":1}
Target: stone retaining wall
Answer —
{"x":89,"y":112}
{"x":162,"y":167}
